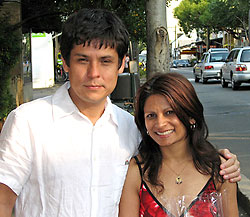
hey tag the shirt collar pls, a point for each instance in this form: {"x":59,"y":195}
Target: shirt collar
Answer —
{"x":109,"y":113}
{"x":63,"y":105}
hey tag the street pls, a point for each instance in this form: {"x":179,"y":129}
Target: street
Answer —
{"x":227,"y":114}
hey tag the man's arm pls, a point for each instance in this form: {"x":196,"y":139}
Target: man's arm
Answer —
{"x":230,"y":169}
{"x":7,"y":201}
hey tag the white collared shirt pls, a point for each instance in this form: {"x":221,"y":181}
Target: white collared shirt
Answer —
{"x":59,"y":164}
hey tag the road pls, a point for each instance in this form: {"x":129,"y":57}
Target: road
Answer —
{"x":227,"y":114}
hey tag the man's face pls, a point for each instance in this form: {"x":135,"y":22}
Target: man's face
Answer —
{"x":93,"y":74}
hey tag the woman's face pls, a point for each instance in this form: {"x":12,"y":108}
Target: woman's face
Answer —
{"x":162,"y":123}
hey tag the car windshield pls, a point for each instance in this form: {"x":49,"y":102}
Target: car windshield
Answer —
{"x":183,"y":61}
{"x":245,"y":56}
{"x":218,"y":57}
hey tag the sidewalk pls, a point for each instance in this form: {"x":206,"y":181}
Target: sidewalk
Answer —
{"x":244,"y":184}
{"x":41,"y":92}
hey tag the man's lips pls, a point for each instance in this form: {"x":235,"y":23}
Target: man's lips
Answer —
{"x":93,"y":86}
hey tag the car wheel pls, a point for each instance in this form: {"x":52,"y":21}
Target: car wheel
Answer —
{"x":234,"y":84}
{"x":223,"y":82}
{"x":203,"y":80}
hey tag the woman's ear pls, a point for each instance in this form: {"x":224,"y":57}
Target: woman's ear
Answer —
{"x":192,"y":121}
{"x":192,"y":124}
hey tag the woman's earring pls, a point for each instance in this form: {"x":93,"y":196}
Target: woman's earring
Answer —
{"x":193,"y":126}
{"x":147,"y":132}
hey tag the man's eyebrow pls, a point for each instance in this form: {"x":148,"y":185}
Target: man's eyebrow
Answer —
{"x":107,"y":56}
{"x":81,"y":55}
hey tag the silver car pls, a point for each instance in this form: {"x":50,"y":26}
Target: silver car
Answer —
{"x":209,"y":66}
{"x":236,"y":69}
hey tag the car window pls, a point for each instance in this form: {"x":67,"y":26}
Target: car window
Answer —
{"x":183,"y":61}
{"x":218,"y":57}
{"x":230,"y":56}
{"x":245,"y":56}
{"x":203,"y":57}
{"x":236,"y":55}
{"x":206,"y":57}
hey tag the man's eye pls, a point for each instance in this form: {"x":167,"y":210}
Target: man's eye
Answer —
{"x":83,"y":60}
{"x":106,"y":61}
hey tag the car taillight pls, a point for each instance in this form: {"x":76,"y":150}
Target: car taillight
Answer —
{"x":241,"y":68}
{"x":209,"y":67}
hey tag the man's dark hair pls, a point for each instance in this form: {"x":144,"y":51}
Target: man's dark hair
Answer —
{"x":94,"y":25}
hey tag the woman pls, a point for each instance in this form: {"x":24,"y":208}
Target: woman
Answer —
{"x":175,"y":159}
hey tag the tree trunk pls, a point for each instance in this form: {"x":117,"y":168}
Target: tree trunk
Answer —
{"x":157,"y":38}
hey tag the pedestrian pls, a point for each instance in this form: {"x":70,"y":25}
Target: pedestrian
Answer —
{"x":126,"y":67}
{"x":68,"y":154}
{"x":177,"y":170}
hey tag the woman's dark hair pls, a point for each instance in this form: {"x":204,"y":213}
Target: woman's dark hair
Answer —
{"x":183,"y":99}
{"x":99,"y":26}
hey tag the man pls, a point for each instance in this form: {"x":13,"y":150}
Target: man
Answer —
{"x":68,"y":154}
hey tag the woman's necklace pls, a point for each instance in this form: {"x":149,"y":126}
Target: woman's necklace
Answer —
{"x":178,"y":179}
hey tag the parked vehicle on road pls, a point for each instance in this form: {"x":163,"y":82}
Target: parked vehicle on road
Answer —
{"x":209,"y":66}
{"x":174,"y":64}
{"x":236,"y":69}
{"x":183,"y":63}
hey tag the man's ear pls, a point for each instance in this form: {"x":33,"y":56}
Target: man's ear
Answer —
{"x":121,"y":69}
{"x":65,"y":66}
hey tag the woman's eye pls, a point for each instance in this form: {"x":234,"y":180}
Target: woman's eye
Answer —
{"x":150,"y":115}
{"x":169,"y":112}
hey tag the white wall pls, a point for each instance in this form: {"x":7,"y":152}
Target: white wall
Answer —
{"x":42,"y":60}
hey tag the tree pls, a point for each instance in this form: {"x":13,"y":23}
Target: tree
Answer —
{"x":48,"y":16}
{"x":230,"y":16}
{"x":157,"y":37}
{"x":9,"y":53}
{"x":215,"y":15}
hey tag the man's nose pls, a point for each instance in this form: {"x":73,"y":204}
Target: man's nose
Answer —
{"x":93,"y":70}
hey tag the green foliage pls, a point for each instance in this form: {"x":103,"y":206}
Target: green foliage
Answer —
{"x":9,"y":52}
{"x":191,"y":15}
{"x":217,"y":15}
{"x":47,"y":15}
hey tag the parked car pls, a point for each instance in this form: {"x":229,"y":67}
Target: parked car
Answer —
{"x":236,"y":69}
{"x":183,"y":63}
{"x":174,"y":64}
{"x":209,"y":66}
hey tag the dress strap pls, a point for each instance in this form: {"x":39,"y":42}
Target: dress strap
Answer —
{"x":138,"y":164}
